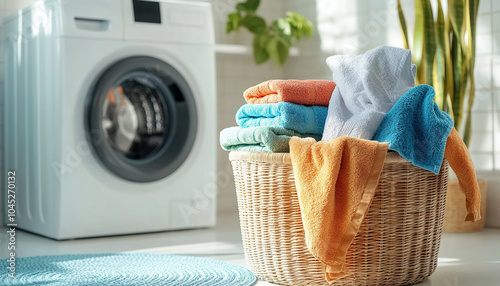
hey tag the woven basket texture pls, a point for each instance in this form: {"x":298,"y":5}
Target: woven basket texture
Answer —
{"x":397,"y":244}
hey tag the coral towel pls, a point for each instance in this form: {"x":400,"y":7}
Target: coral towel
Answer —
{"x":305,"y":92}
{"x":458,"y":156}
{"x":335,"y":183}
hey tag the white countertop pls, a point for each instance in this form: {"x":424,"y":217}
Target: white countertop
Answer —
{"x":465,"y":259}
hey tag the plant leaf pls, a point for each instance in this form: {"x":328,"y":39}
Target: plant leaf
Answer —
{"x":283,"y":34}
{"x":429,"y":40}
{"x":471,"y":9}
{"x":254,"y":24}
{"x":418,"y":41}
{"x":439,"y":71}
{"x":260,"y":53}
{"x":458,"y":84}
{"x":233,"y":22}
{"x":402,"y":24}
{"x":250,"y":5}
{"x":241,"y":7}
{"x":278,"y":50}
{"x":449,"y":68}
{"x":456,"y":14}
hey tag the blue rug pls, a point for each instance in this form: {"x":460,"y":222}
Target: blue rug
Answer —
{"x":125,"y":270}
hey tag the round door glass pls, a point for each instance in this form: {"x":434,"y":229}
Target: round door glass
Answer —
{"x":135,"y":115}
{"x":141,"y":119}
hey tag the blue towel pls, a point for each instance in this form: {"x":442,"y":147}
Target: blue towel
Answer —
{"x":300,"y":118}
{"x":259,"y":139}
{"x":417,"y":129}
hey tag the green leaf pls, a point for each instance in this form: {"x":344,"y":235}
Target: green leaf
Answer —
{"x":278,"y":50}
{"x":458,"y":83}
{"x":402,"y":24}
{"x":248,"y":6}
{"x":439,"y":69}
{"x":429,"y":40}
{"x":418,"y":41}
{"x":241,"y":7}
{"x":260,"y":53}
{"x":284,"y":26}
{"x":233,"y":22}
{"x":284,"y":35}
{"x":299,"y":25}
{"x":254,"y":24}
{"x":229,"y":27}
{"x":456,"y":15}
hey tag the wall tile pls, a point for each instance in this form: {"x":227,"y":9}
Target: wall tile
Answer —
{"x":497,"y":163}
{"x":496,"y":42}
{"x":496,"y":5}
{"x":483,"y":72}
{"x":481,"y":142}
{"x":483,"y":100}
{"x":496,"y":142}
{"x":485,"y":6}
{"x":483,"y":46}
{"x":496,"y":100}
{"x":496,"y":21}
{"x":496,"y":71}
{"x":484,"y":24}
{"x":482,"y":161}
{"x":482,"y":121}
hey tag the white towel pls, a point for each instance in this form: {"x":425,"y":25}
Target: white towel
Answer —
{"x":368,"y":85}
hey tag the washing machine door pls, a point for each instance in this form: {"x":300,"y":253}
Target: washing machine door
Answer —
{"x":141,"y":119}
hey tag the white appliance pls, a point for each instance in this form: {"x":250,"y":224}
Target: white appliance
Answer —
{"x":110,"y":116}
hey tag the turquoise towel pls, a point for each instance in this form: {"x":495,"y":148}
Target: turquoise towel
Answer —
{"x":417,"y":129}
{"x":300,"y":118}
{"x":259,"y":139}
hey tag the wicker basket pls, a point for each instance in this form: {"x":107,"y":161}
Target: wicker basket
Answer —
{"x":397,"y":244}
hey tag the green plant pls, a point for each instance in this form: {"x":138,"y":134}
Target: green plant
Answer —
{"x":270,"y":41}
{"x":444,"y":52}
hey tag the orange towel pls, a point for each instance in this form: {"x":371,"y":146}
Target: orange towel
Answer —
{"x":458,"y":156}
{"x":304,"y":92}
{"x":335,"y":183}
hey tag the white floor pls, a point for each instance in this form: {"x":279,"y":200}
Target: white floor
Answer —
{"x":471,"y":259}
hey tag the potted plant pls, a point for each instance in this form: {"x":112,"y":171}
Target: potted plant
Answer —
{"x":270,"y":41}
{"x":444,"y":52}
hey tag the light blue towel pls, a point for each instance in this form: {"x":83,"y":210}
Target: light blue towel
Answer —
{"x":259,"y":139}
{"x":417,"y":129}
{"x":300,"y":118}
{"x":368,"y":86}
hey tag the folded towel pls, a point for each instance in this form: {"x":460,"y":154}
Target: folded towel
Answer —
{"x":335,"y":183}
{"x":368,"y":85}
{"x":259,"y":139}
{"x":300,"y":118}
{"x":305,"y":92}
{"x":417,"y":129}
{"x":458,"y":156}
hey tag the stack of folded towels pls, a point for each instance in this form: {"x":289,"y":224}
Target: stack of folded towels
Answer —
{"x":373,"y":106}
{"x":277,"y":110}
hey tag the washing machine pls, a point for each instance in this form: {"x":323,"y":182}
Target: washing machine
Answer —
{"x":110,"y":117}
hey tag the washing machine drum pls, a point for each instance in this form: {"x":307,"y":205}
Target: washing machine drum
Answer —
{"x":141,"y":119}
